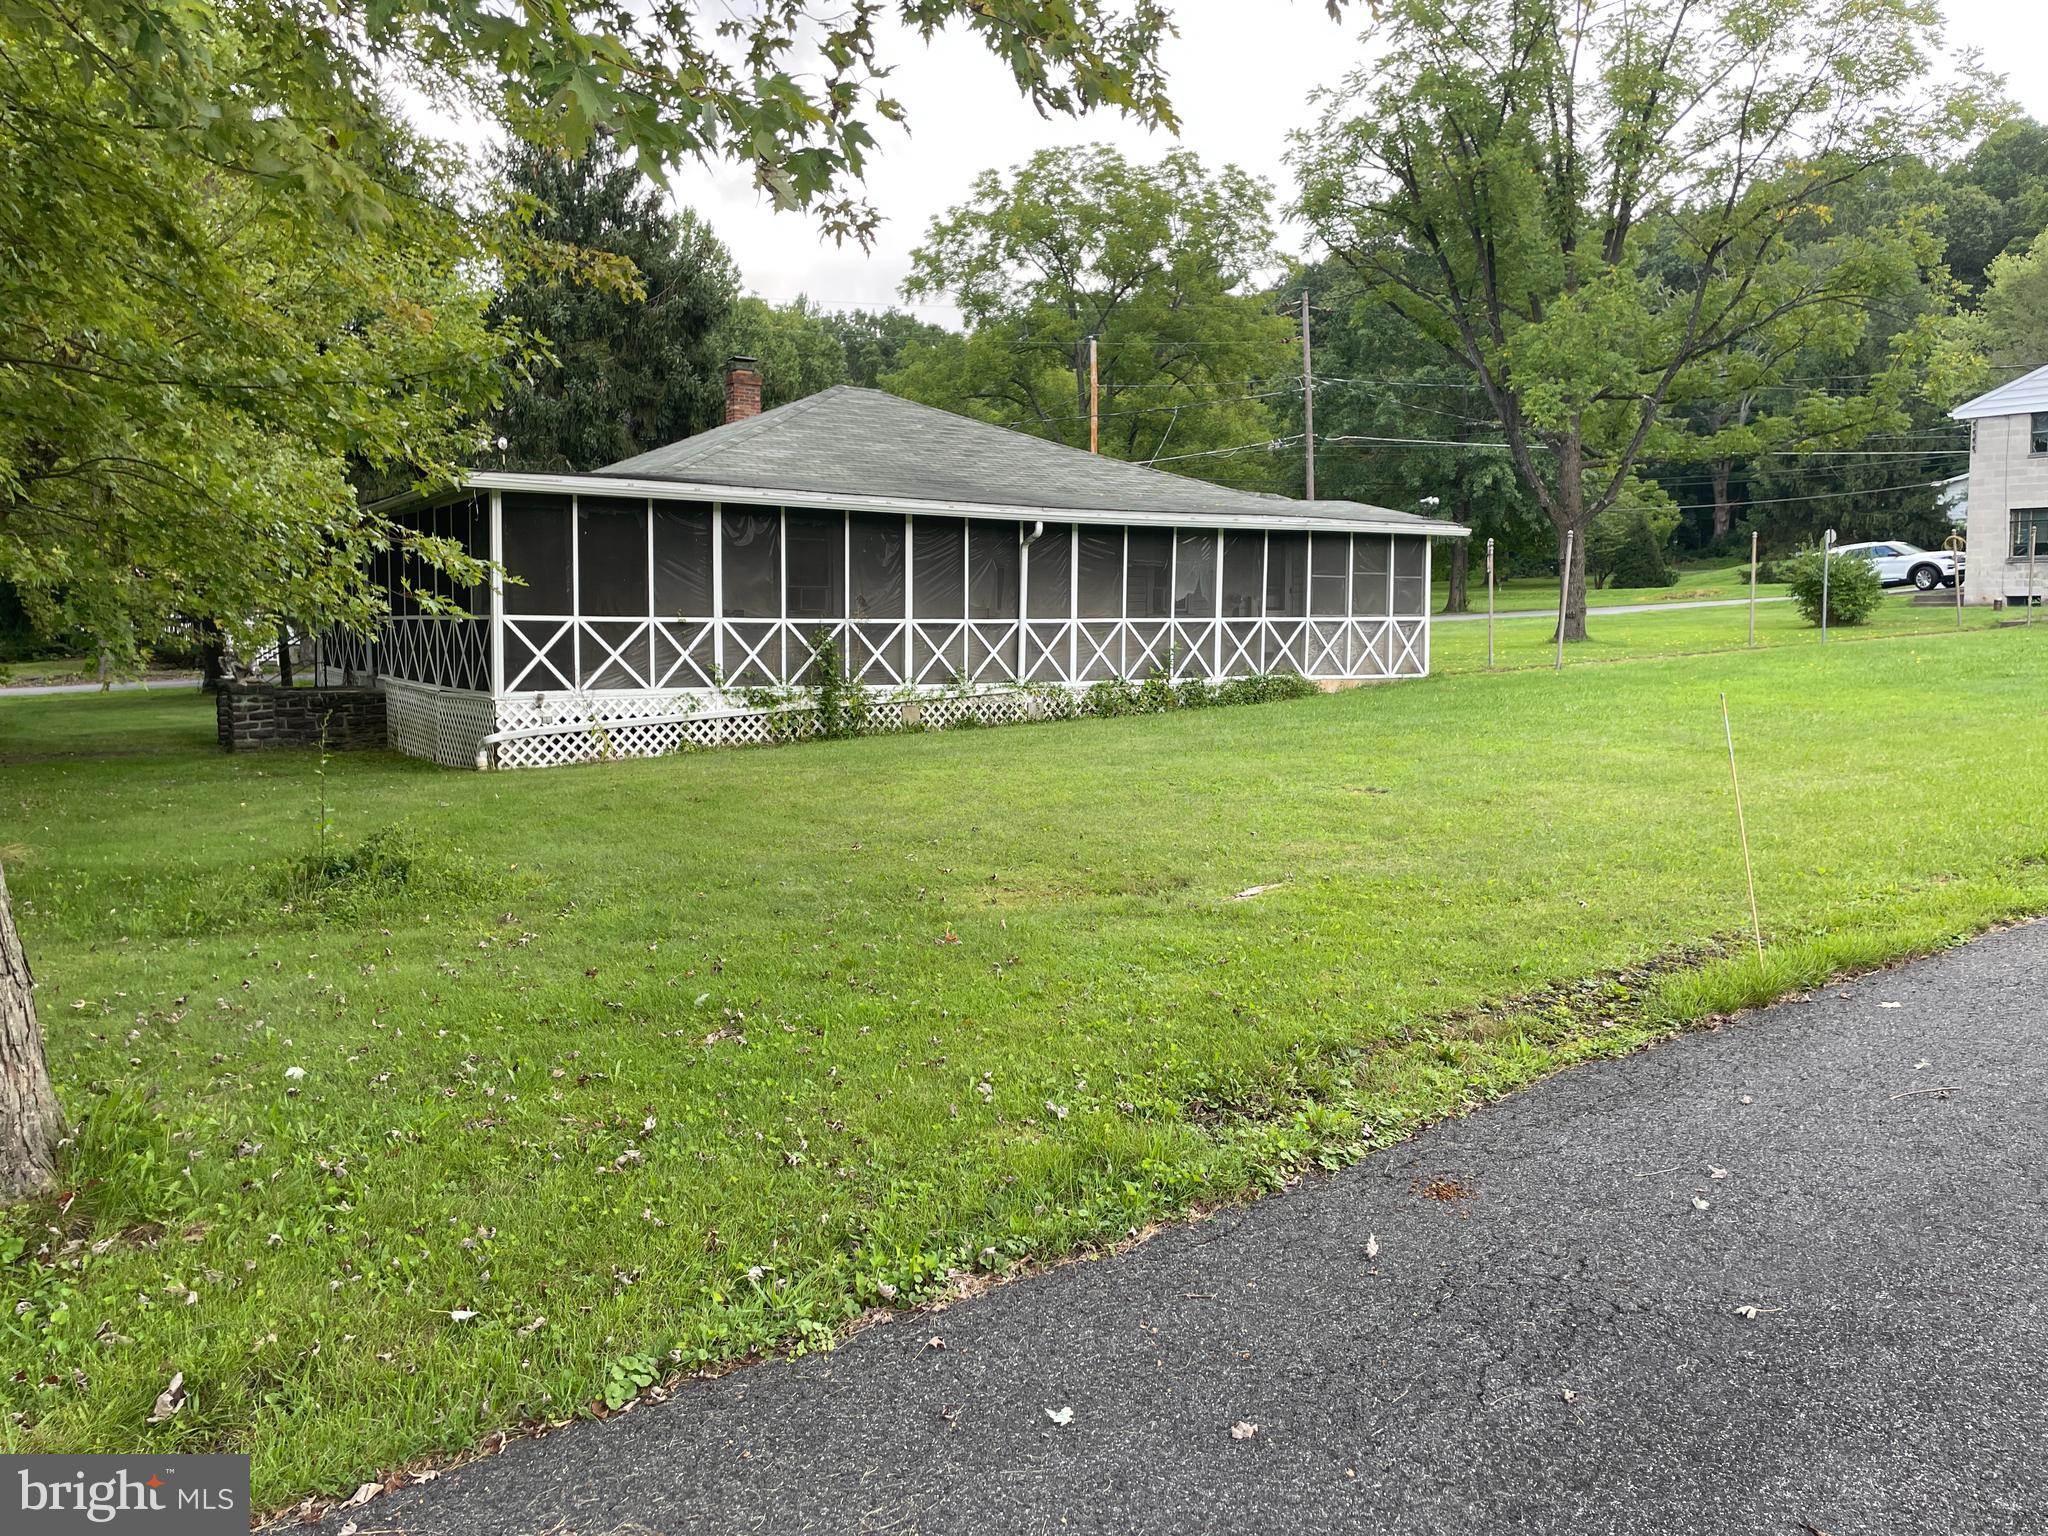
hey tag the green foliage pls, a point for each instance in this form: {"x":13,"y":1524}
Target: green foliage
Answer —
{"x":799,"y":349}
{"x":1156,"y":262}
{"x":200,"y":347}
{"x":841,"y":703}
{"x":1639,"y":562}
{"x":1568,"y":260}
{"x":397,"y":870}
{"x":627,"y":326}
{"x":1853,"y":587}
{"x":627,"y":1377}
{"x":875,"y":342}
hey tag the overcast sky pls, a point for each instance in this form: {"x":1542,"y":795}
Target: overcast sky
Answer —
{"x":1239,"y":75}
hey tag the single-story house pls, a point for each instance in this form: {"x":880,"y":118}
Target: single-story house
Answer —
{"x":2008,"y":493}
{"x":661,"y":601}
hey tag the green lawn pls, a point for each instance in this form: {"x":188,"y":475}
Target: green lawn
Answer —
{"x":1704,"y":581}
{"x":1460,"y":646}
{"x":693,"y":1056}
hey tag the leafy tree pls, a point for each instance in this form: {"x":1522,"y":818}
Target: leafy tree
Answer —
{"x":799,"y":350}
{"x":626,"y":365}
{"x":1996,"y":199}
{"x":875,"y":341}
{"x":1593,"y":208}
{"x":1155,"y":262}
{"x":1639,"y":557}
{"x":230,"y":278}
{"x":1400,"y":423}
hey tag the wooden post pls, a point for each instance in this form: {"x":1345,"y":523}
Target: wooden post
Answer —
{"x":1752,"y":591}
{"x":1489,"y":605}
{"x":1308,"y":402}
{"x":1094,"y":403}
{"x":1756,"y":929}
{"x":1564,"y":582}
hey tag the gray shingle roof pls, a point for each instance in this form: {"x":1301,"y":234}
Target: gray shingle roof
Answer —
{"x":862,"y":442}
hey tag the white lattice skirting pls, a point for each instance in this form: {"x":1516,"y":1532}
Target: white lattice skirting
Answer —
{"x":586,"y":730}
{"x":444,"y":725}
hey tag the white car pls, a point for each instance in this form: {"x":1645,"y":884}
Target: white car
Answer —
{"x":1898,"y":563}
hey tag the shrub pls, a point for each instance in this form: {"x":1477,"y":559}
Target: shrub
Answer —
{"x":1266,"y":688}
{"x":393,"y":871}
{"x":1156,"y":694}
{"x":1640,"y":562}
{"x":1111,"y":697}
{"x":1853,"y":588}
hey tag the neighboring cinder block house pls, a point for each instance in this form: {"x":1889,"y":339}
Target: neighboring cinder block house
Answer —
{"x":961,"y":569}
{"x":2008,"y":496}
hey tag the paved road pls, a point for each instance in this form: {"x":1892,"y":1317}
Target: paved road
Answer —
{"x":1602,"y":611}
{"x":1556,"y":1351}
{"x":154,"y":684}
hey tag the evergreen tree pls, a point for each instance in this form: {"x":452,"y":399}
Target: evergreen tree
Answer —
{"x":633,"y":349}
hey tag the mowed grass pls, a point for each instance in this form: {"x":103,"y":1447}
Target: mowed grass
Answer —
{"x":1702,"y":581}
{"x":1459,"y":646}
{"x":653,"y":1064}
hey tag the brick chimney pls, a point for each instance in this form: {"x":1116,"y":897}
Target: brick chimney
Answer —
{"x":742,"y":389}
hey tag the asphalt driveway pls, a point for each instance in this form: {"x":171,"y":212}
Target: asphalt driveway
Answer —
{"x":1552,"y":1335}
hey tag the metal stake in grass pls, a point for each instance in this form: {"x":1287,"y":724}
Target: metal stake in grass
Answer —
{"x":1752,"y":591}
{"x":1564,"y":585}
{"x":1827,"y":546}
{"x":1756,"y":927}
{"x":1954,"y":545}
{"x":1489,"y":601}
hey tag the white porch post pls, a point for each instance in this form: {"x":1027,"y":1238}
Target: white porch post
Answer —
{"x":497,"y":594}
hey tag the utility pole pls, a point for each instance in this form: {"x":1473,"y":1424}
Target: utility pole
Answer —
{"x":1308,"y":399}
{"x":1094,"y":402}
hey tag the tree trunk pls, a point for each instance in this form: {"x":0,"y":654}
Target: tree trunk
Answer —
{"x":284,"y":656}
{"x":213,"y":662}
{"x":1724,"y":510}
{"x":1456,"y":601}
{"x":30,"y":1121}
{"x":1568,"y":515}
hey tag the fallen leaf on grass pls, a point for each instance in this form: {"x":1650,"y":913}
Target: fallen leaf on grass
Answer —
{"x":363,"y":1494}
{"x":1060,"y":1415}
{"x":1257,"y":890}
{"x":170,"y":1400}
{"x":1243,"y":1429}
{"x":461,"y":1315}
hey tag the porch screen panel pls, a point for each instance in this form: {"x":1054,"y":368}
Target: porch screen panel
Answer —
{"x":1100,"y":598}
{"x":816,"y":595}
{"x":685,"y":632}
{"x":540,"y":651}
{"x":1372,"y":569}
{"x":1371,"y":563}
{"x":875,"y":652}
{"x":751,"y":595}
{"x":1194,"y":575}
{"x":1329,"y":566}
{"x":817,"y":565}
{"x":1194,"y":603}
{"x":1283,"y":649}
{"x":682,"y":559}
{"x":536,"y":530}
{"x":614,"y":642}
{"x":1148,"y":597}
{"x":1411,"y":582}
{"x":753,"y":564}
{"x":938,"y":598}
{"x":995,"y":559}
{"x":1244,"y":596}
{"x":1048,"y":603}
